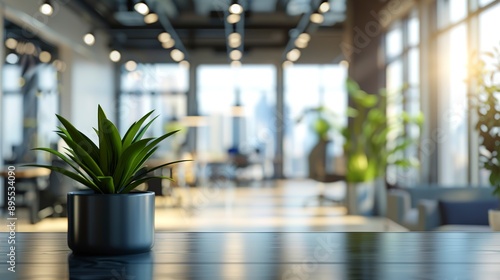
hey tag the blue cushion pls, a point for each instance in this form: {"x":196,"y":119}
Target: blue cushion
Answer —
{"x":466,"y":212}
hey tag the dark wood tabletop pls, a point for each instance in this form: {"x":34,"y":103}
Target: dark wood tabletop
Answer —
{"x":267,"y":255}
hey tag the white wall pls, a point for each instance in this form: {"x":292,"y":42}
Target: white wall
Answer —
{"x":89,"y":76}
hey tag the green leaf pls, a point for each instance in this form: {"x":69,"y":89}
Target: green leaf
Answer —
{"x":63,"y":157}
{"x":69,"y":174}
{"x":107,"y":184}
{"x":143,"y":130}
{"x":79,"y":138}
{"x":85,"y":158}
{"x":135,"y":184}
{"x":133,"y":129}
{"x":126,"y":166}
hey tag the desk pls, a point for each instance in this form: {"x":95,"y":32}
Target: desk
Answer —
{"x":267,"y":255}
{"x":29,"y":190}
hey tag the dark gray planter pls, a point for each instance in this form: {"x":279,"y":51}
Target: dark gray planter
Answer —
{"x":110,"y":224}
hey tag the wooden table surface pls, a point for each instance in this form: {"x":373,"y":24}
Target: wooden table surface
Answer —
{"x":26,"y":172}
{"x":267,"y":255}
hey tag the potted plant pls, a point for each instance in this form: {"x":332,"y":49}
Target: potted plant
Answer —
{"x":485,"y":75}
{"x":110,"y":218}
{"x":373,"y":141}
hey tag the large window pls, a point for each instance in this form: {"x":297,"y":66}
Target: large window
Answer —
{"x":464,"y":27}
{"x":239,"y":104}
{"x":159,"y":87}
{"x":402,"y":42}
{"x":306,"y":87}
{"x":30,"y":96}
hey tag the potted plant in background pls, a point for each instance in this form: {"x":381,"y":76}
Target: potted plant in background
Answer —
{"x":373,"y":141}
{"x":110,"y":218}
{"x":485,"y":77}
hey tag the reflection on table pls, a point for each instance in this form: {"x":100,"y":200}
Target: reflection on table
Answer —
{"x":268,"y":255}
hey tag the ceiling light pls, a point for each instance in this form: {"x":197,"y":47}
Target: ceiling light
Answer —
{"x":59,"y":65}
{"x":304,"y":37}
{"x":293,"y":55}
{"x":236,"y":9}
{"x":177,"y":55}
{"x":11,"y":43}
{"x":141,"y":8}
{"x":235,"y":55}
{"x":45,"y":57}
{"x":130,"y":65}
{"x":233,"y":18}
{"x":301,"y":44}
{"x":234,"y":40}
{"x":235,"y":63}
{"x":12,"y":58}
{"x":46,"y":8}
{"x":168,"y":45}
{"x":317,"y":18}
{"x":151,"y":18}
{"x":89,"y":39}
{"x":164,"y":37}
{"x":287,"y":64}
{"x":324,"y":7}
{"x":184,"y":63}
{"x":115,"y":56}
{"x":344,"y":63}
{"x":29,"y":48}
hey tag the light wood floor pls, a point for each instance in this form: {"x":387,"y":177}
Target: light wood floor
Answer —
{"x":277,"y":206}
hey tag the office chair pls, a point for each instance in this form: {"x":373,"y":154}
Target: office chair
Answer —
{"x":166,"y":192}
{"x":52,"y":200}
{"x":317,"y":171}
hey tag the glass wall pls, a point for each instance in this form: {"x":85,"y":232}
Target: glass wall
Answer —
{"x":158,"y":87}
{"x":464,"y":27}
{"x":402,"y":56}
{"x":239,"y":104}
{"x":310,"y":87}
{"x":30,"y":78}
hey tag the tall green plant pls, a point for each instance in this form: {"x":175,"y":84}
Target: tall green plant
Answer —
{"x":367,"y":147}
{"x":114,"y":164}
{"x":485,"y":75}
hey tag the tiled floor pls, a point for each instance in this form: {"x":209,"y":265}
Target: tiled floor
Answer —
{"x":267,"y":206}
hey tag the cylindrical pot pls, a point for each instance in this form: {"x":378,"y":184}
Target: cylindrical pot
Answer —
{"x":110,"y":224}
{"x":494,"y":219}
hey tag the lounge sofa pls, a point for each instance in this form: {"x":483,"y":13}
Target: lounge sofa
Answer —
{"x":432,"y":207}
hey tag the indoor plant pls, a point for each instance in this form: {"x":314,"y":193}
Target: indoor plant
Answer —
{"x":109,"y":218}
{"x":373,"y":140}
{"x":485,"y":74}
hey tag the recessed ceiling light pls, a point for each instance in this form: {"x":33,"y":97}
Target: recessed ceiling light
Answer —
{"x":46,"y":8}
{"x":293,"y":55}
{"x":236,"y":9}
{"x":324,"y":7}
{"x":45,"y":57}
{"x":287,"y":64}
{"x":115,"y":56}
{"x":89,"y":39}
{"x":317,"y":18}
{"x":12,"y":58}
{"x":184,"y":63}
{"x":233,"y":18}
{"x":130,"y":65}
{"x":11,"y":43}
{"x":235,"y":63}
{"x":150,"y":18}
{"x":168,"y":45}
{"x":235,"y":55}
{"x":141,"y":8}
{"x":177,"y":55}
{"x":234,"y":40}
{"x":164,"y":37}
